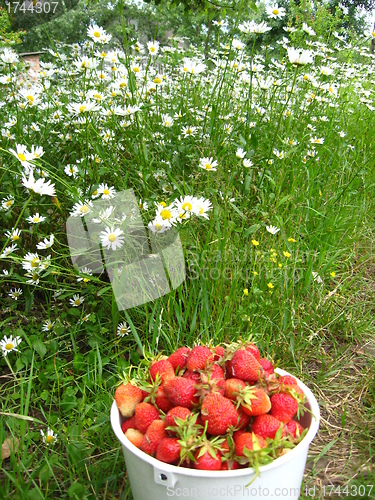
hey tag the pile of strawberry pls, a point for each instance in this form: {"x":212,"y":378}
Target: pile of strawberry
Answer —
{"x":212,"y":408}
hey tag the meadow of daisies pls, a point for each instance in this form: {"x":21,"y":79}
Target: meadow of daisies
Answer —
{"x":262,"y":158}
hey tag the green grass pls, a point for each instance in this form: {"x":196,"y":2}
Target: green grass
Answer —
{"x":65,"y":378}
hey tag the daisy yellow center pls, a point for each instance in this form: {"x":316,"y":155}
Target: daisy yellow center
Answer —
{"x":112,"y":237}
{"x":8,"y":203}
{"x":86,"y":280}
{"x":330,"y":89}
{"x":104,"y":54}
{"x":157,"y":80}
{"x":136,"y":69}
{"x":182,"y":216}
{"x":95,"y":193}
{"x":21,"y":156}
{"x":30,"y":98}
{"x":15,"y":237}
{"x":56,"y":116}
{"x":275,"y":11}
{"x":97,"y":96}
{"x":34,"y":262}
{"x":152,"y":49}
{"x":163,"y":204}
{"x":158,"y":227}
{"x":187,"y":206}
{"x":49,"y":439}
{"x":201,"y":210}
{"x":122,"y":84}
{"x":9,"y":346}
{"x":166,"y":214}
{"x":184,"y":69}
{"x":208,"y":166}
{"x":106,"y":192}
{"x":83,"y":65}
{"x":77,"y":302}
{"x":36,"y":219}
{"x":123,"y":330}
{"x":291,"y":142}
{"x":96,"y":34}
{"x":306,"y":77}
{"x":84,"y":209}
{"x":317,"y":140}
{"x":82,"y":108}
{"x":102,"y":76}
{"x":373,"y":34}
{"x":35,"y":277}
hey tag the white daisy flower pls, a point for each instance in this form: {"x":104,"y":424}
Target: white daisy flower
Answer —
{"x":106,"y":192}
{"x":46,"y":243}
{"x":208,"y":164}
{"x":47,"y":325}
{"x":76,"y":300}
{"x":8,"y":250}
{"x":48,"y":438}
{"x":9,"y":344}
{"x":36,"y":218}
{"x":7,"y":202}
{"x":123,"y":329}
{"x":272,"y":229}
{"x":17,"y":292}
{"x":153,"y":47}
{"x":80,"y":209}
{"x":39,"y":186}
{"x":111,"y":238}
{"x":13,"y":235}
{"x":240,"y":153}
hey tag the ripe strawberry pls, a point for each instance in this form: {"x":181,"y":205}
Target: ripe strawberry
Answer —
{"x":287,"y":379}
{"x":128,"y":424}
{"x":244,"y":366}
{"x":266,"y":365}
{"x":254,"y":401}
{"x":179,"y":412}
{"x":283,"y":407}
{"x":154,"y":434}
{"x":294,"y":429}
{"x":179,"y":357}
{"x":230,"y":465}
{"x":135,"y":437}
{"x":252,"y":348}
{"x":266,"y":426}
{"x":211,"y":380}
{"x":237,"y":434}
{"x":219,"y":413}
{"x":127,"y":396}
{"x":181,"y":392}
{"x":249,"y":441}
{"x":243,"y":419}
{"x":195,"y":376}
{"x":218,"y":352}
{"x":161,"y":400}
{"x":163,"y":368}
{"x":198,"y":357}
{"x":208,"y":460}
{"x":145,"y":413}
{"x":232,"y":388}
{"x":169,"y":450}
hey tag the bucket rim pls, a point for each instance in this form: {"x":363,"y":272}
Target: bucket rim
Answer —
{"x":184,"y":471}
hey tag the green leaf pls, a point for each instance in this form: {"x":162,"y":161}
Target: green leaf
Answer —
{"x":38,"y":346}
{"x":76,"y":491}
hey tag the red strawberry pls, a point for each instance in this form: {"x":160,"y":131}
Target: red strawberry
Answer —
{"x":283,"y":407}
{"x":128,"y":424}
{"x":145,"y":413}
{"x":168,"y":450}
{"x":232,"y":388}
{"x":127,"y":397}
{"x":244,"y":366}
{"x":135,"y":437}
{"x":154,"y":434}
{"x":294,"y":428}
{"x":163,"y":368}
{"x":252,"y":348}
{"x":179,"y":412}
{"x":179,"y":357}
{"x":218,"y":352}
{"x":243,"y":420}
{"x":181,"y":392}
{"x":219,"y":413}
{"x":230,"y":465}
{"x":198,"y":357}
{"x":211,"y":380}
{"x":249,"y":441}
{"x":196,"y":376}
{"x":266,"y":365}
{"x":287,"y":379}
{"x":254,"y":401}
{"x":208,"y":460}
{"x":161,"y":400}
{"x":266,"y":426}
{"x":237,"y":434}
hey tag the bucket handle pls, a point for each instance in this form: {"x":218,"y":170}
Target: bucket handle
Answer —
{"x":164,"y":478}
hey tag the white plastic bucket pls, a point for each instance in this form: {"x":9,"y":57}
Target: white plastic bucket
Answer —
{"x":151,"y":479}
